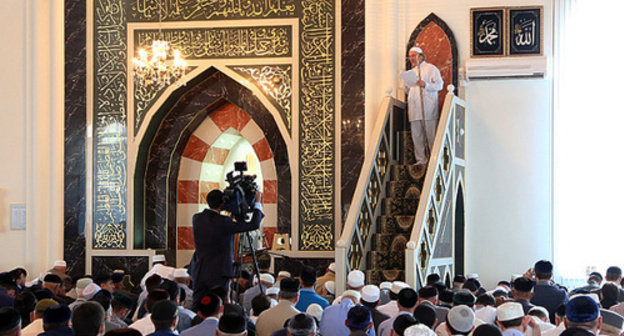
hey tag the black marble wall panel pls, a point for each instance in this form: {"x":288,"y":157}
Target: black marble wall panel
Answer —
{"x":352,"y":145}
{"x":174,"y":123}
{"x":135,"y":266}
{"x":75,"y":135}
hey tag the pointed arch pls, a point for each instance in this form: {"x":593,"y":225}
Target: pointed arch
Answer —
{"x":161,"y":149}
{"x":444,"y":55}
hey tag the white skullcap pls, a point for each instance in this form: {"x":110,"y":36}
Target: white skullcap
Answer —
{"x":486,"y":314}
{"x":397,"y":286}
{"x":540,"y":308}
{"x":370,"y":293}
{"x":119,"y":271}
{"x":159,"y":258}
{"x":416,"y":49}
{"x":272,"y":291}
{"x":330,"y":286}
{"x":354,"y":294}
{"x":284,"y":274}
{"x":273,"y":303}
{"x":355,"y":278}
{"x":59,"y":263}
{"x":268,"y":278}
{"x":332,"y":267}
{"x":315,"y":310}
{"x":461,"y":318}
{"x":385,"y":285}
{"x":473,"y":276}
{"x":418,"y":330}
{"x":90,"y":291}
{"x":82,"y":283}
{"x":180,"y":273}
{"x":509,"y":311}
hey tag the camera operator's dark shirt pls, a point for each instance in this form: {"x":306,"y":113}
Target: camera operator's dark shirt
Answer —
{"x":213,"y":235}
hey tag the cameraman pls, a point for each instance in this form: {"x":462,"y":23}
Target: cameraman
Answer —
{"x":213,"y":234}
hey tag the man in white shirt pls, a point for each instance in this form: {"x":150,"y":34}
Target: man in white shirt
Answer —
{"x":422,"y":94}
{"x":145,"y":325}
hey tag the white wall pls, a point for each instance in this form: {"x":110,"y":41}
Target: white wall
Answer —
{"x":31,"y":131}
{"x":508,"y":194}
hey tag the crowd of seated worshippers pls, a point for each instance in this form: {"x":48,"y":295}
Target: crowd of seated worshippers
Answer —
{"x":303,"y":302}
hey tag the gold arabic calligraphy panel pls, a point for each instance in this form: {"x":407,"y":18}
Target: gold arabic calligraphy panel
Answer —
{"x":109,"y":201}
{"x":275,"y":82}
{"x":203,"y":43}
{"x":186,"y":10}
{"x":316,"y":128}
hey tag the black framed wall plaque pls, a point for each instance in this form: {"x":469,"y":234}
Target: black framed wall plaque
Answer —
{"x":525,"y":30}
{"x":487,"y":30}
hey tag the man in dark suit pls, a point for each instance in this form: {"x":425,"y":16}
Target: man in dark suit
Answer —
{"x":546,"y":293}
{"x":213,"y":234}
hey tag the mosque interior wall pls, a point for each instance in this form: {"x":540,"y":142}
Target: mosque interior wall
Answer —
{"x":509,"y":123}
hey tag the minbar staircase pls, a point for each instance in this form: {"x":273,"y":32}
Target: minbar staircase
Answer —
{"x":403,"y":218}
{"x":386,"y":259}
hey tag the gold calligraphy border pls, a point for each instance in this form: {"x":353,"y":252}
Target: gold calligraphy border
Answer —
{"x":222,"y":42}
{"x":317,"y":125}
{"x":186,"y":10}
{"x":109,"y":109}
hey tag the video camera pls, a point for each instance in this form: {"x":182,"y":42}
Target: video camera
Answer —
{"x":240,"y":194}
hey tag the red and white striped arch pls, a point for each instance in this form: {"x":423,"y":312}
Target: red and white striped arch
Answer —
{"x":202,"y":167}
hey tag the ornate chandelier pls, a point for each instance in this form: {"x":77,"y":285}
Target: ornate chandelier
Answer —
{"x":156,"y":71}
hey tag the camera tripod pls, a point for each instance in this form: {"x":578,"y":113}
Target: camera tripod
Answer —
{"x":239,"y":263}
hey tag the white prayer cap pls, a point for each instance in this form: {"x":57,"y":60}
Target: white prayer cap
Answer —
{"x":90,"y":291}
{"x":273,"y":303}
{"x":180,"y":273}
{"x":354,"y":294}
{"x":332,"y":267}
{"x":272,"y":291}
{"x":355,"y":278}
{"x":416,"y":49}
{"x":370,"y":293}
{"x":385,"y":285}
{"x":119,"y":271}
{"x":284,"y":274}
{"x":82,"y":283}
{"x":473,"y":276}
{"x":509,"y":311}
{"x":330,"y":286}
{"x":540,"y":308}
{"x":315,"y":310}
{"x":268,"y":278}
{"x":418,"y":330}
{"x":461,"y":318}
{"x":397,"y":286}
{"x":159,"y":258}
{"x":59,"y":263}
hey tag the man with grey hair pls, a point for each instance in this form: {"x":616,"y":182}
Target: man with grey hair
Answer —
{"x":302,"y":325}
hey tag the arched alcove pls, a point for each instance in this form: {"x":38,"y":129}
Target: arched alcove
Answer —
{"x":161,"y":150}
{"x":438,"y":43}
{"x":459,"y":230}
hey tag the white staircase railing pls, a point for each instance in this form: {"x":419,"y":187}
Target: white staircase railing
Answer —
{"x":430,"y":248}
{"x":359,"y":227}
